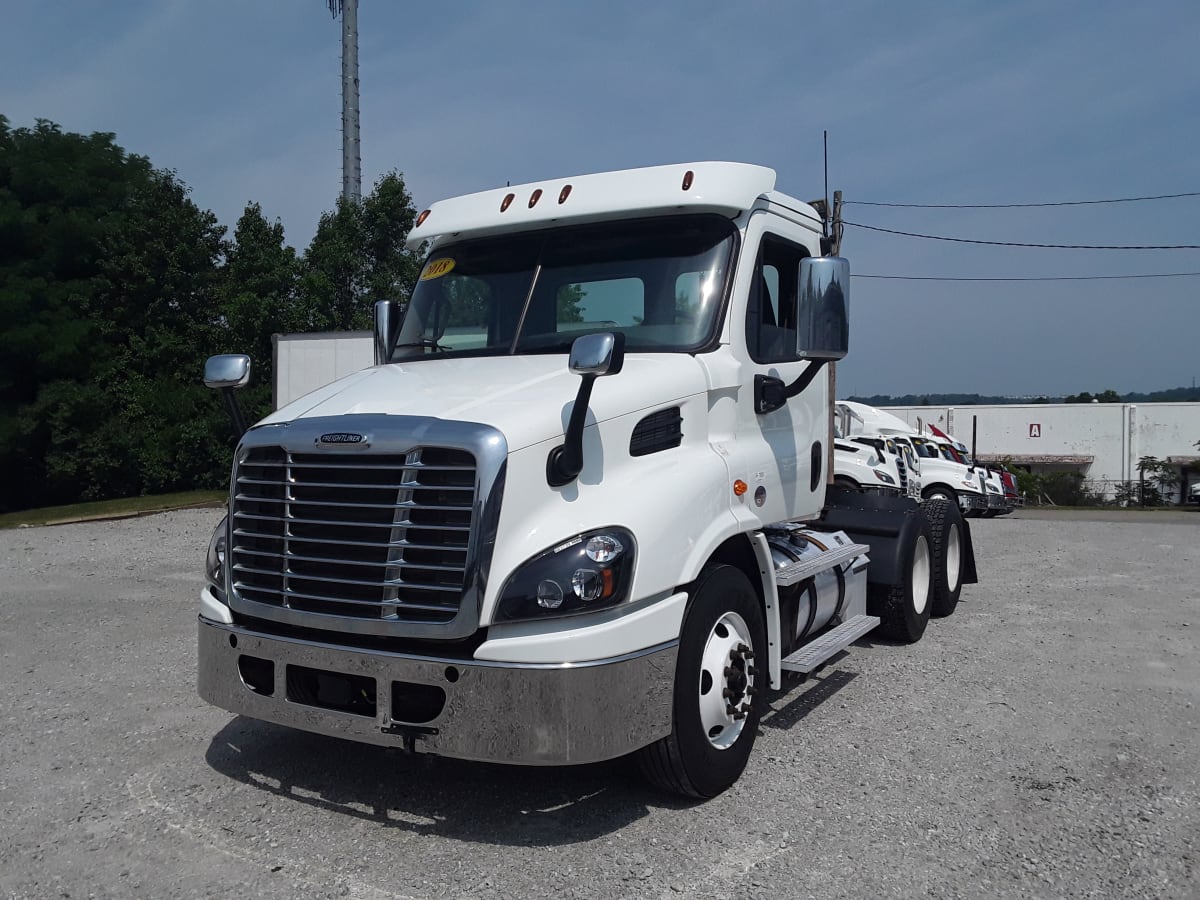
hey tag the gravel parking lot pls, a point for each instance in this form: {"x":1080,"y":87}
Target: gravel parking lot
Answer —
{"x":1042,"y":742}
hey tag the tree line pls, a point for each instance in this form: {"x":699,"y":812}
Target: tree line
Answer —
{"x":1171,"y":395}
{"x":115,"y":287}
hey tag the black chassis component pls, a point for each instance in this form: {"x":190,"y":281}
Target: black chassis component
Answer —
{"x":886,"y":522}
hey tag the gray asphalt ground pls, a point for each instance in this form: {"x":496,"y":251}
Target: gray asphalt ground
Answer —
{"x":1042,"y":742}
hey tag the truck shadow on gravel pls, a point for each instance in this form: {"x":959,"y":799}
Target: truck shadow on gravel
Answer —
{"x":797,"y":699}
{"x":476,"y":802}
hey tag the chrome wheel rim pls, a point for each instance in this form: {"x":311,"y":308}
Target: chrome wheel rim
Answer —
{"x":727,"y":681}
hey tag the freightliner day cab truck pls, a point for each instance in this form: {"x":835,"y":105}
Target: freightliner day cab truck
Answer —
{"x":599,"y":527}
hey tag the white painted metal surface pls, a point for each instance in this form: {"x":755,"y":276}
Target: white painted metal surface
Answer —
{"x":306,"y":362}
{"x":724,"y":187}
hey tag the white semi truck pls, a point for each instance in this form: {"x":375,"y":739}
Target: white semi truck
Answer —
{"x":942,"y":476}
{"x":599,"y":526}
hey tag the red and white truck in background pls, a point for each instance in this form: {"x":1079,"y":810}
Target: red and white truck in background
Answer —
{"x":597,"y":525}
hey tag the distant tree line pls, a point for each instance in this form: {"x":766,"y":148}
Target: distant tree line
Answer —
{"x":114,"y":289}
{"x":1173,"y":395}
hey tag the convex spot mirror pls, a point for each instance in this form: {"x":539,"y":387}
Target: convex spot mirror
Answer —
{"x":229,"y":370}
{"x":823,"y":314}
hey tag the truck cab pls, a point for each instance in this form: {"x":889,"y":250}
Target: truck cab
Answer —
{"x":578,"y":509}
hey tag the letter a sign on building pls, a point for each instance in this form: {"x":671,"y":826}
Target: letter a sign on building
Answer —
{"x":1035,"y":429}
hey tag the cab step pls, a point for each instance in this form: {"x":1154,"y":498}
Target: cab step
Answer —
{"x":806,"y":568}
{"x":827,"y":645}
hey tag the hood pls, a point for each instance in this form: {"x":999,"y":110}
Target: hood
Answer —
{"x":868,"y":419}
{"x":528,"y":398}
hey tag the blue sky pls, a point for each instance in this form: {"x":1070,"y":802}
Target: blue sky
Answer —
{"x":925,"y":102}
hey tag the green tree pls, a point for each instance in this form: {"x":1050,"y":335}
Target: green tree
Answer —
{"x":257,"y":298}
{"x":107,"y":276}
{"x":357,"y":257}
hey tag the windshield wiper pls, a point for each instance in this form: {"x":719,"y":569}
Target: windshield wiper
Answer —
{"x":423,"y":342}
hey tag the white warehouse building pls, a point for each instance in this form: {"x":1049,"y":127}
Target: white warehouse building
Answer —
{"x":1101,"y":441}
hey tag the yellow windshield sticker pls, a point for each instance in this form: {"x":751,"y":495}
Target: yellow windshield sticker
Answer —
{"x":436,"y":268}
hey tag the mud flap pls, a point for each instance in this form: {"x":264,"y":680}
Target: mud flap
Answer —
{"x":888,"y":523}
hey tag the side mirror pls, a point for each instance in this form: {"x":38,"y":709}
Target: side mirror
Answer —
{"x":387,"y":326}
{"x":592,"y":356}
{"x":598,"y":354}
{"x":823,"y":314}
{"x":226,"y":373}
{"x":229,"y":370}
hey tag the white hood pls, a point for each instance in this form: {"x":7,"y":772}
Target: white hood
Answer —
{"x":528,"y":398}
{"x":869,"y":420}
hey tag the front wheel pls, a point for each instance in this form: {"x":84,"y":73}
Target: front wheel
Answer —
{"x":720,"y":689}
{"x":940,"y":492}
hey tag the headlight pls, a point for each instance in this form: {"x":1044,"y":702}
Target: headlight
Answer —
{"x":589,"y":571}
{"x":884,"y":477}
{"x":214,"y":563}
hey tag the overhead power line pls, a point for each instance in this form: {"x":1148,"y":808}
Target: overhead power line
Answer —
{"x":938,"y":237}
{"x":1027,"y":277}
{"x":1019,"y":205}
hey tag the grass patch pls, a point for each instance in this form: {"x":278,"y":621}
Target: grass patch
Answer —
{"x":111,"y":509}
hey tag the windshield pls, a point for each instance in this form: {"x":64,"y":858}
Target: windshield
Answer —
{"x":926,"y":449}
{"x":659,"y":281}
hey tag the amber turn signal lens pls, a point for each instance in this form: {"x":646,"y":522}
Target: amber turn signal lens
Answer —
{"x":740,"y":487}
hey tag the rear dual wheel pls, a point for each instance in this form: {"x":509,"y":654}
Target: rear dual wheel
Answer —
{"x":904,"y":608}
{"x":946,"y":530}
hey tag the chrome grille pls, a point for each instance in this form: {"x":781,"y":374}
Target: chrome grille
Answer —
{"x":365,"y":536}
{"x":903,"y":470}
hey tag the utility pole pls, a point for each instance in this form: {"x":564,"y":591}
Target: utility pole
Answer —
{"x":351,"y":157}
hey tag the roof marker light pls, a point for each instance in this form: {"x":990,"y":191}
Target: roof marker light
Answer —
{"x":564,"y":193}
{"x":421,"y":218}
{"x":534,"y":198}
{"x":687,"y":179}
{"x":508,"y":199}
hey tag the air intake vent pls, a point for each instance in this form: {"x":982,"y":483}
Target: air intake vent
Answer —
{"x":662,"y":430}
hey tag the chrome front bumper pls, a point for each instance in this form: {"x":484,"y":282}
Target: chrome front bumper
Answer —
{"x":968,"y":501}
{"x":492,"y":712}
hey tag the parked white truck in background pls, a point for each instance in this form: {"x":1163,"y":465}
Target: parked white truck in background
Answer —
{"x":942,"y":476}
{"x":599,"y":527}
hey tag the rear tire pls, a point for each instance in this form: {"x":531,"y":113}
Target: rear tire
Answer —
{"x":946,"y":528}
{"x":721,"y":667}
{"x":904,"y":608}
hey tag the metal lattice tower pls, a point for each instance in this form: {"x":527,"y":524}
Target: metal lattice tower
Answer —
{"x":351,"y":157}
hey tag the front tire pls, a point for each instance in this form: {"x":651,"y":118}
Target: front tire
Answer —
{"x":946,"y":529}
{"x":720,"y":689}
{"x":940,"y":492}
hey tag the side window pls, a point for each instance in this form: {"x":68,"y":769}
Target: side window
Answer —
{"x":770,"y":312}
